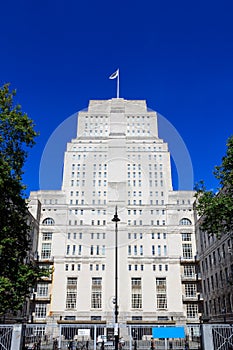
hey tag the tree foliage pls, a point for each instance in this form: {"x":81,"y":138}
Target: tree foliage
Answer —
{"x":216,"y":209}
{"x":17,"y":273}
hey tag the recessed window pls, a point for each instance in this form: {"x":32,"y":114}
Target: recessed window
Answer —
{"x":186,"y":236}
{"x":185,"y":221}
{"x":48,"y":221}
{"x":47,"y":236}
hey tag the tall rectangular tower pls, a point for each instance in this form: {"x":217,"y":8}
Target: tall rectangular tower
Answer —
{"x":118,"y":160}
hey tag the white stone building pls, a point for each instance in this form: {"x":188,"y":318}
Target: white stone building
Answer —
{"x":117,"y":159}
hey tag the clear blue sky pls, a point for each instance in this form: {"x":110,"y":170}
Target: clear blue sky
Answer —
{"x":178,"y":55}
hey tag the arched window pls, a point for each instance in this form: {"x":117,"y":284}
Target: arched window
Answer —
{"x":185,"y":221}
{"x":48,"y":221}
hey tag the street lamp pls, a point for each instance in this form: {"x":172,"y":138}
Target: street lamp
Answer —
{"x":116,"y":334}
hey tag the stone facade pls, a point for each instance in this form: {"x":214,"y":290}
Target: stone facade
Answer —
{"x":117,"y":160}
{"x":216,"y":267}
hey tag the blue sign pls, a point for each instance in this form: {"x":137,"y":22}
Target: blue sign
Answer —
{"x":168,"y":332}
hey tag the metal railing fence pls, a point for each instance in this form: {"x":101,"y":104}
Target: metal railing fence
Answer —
{"x":101,"y":337}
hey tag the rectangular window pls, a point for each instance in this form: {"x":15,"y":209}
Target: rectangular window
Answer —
{"x":187,"y":251}
{"x":136,"y":293}
{"x":153,"y":250}
{"x":136,"y":282}
{"x":46,"y":251}
{"x":165,"y":250}
{"x":42,"y":290}
{"x":161,"y":293}
{"x":186,"y":237}
{"x":71,"y":292}
{"x":141,"y":249}
{"x":214,"y":258}
{"x":47,"y":236}
{"x":192,"y":311}
{"x":190,"y":290}
{"x":159,"y":250}
{"x":40,"y":310}
{"x":136,"y":300}
{"x":189,"y":271}
{"x":96,"y":293}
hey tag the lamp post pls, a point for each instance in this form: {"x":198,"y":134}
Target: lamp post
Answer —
{"x":116,"y":331}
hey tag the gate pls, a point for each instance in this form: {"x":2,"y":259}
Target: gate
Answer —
{"x":217,"y":336}
{"x":83,"y":336}
{"x":140,"y":337}
{"x":40,"y":336}
{"x":222,"y":337}
{"x":62,"y":336}
{"x":6,"y":332}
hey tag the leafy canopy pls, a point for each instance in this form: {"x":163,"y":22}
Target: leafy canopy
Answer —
{"x":17,"y":272}
{"x":217,"y":209}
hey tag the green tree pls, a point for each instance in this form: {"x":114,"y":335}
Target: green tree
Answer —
{"x":17,"y":273}
{"x":216,"y":209}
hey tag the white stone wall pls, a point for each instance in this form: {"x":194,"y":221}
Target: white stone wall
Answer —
{"x":118,"y":160}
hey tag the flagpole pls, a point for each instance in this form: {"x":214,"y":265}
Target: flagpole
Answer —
{"x":115,"y":75}
{"x":118,"y":83}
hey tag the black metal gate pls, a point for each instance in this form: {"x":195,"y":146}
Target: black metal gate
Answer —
{"x":6,"y":332}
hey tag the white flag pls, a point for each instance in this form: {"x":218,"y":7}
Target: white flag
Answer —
{"x":115,"y":74}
